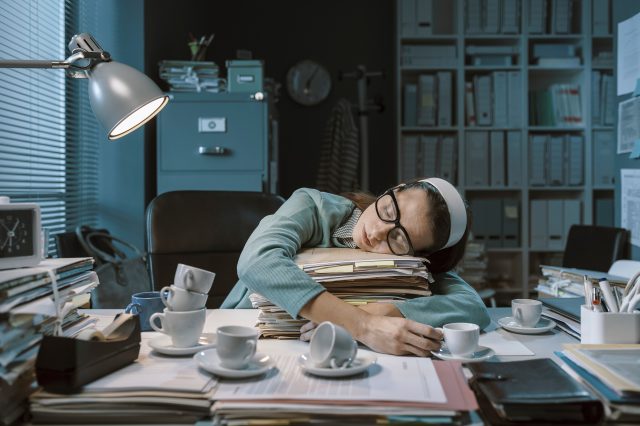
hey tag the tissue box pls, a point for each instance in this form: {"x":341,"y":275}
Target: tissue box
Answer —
{"x":244,"y":75}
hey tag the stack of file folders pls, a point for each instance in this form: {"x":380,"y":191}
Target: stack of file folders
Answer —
{"x":355,"y":276}
{"x":27,"y":312}
{"x":565,"y":311}
{"x":192,"y":76}
{"x":155,"y":389}
{"x":612,"y":372}
{"x":391,"y":393}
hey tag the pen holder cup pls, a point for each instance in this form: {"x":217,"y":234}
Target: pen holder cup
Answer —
{"x":609,"y":327}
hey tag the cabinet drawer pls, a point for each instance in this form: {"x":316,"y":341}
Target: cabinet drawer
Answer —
{"x":205,"y":136}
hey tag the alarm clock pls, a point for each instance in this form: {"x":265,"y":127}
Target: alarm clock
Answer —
{"x":20,"y":235}
{"x":308,"y":83}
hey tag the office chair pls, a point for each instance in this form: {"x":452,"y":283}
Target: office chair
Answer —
{"x":595,"y":247}
{"x":205,"y":229}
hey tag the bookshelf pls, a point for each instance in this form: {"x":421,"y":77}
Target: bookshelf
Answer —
{"x":557,"y":113}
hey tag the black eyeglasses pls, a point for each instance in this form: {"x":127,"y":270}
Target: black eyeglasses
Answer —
{"x":388,"y":211}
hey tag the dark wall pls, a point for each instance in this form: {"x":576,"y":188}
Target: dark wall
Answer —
{"x":340,"y":34}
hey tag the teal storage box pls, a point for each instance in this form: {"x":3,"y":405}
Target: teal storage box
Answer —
{"x":244,"y":75}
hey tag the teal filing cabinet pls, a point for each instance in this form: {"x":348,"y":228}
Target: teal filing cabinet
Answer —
{"x":213,"y":141}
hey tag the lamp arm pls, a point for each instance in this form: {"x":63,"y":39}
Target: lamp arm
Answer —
{"x":90,"y":57}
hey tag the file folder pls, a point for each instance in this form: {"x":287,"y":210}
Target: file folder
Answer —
{"x":514,"y":99}
{"x":482,"y":87}
{"x":500,"y":100}
{"x":444,"y":99}
{"x":477,"y":158}
{"x":429,"y":155}
{"x":538,"y":221}
{"x":575,"y":160}
{"x":410,"y":113}
{"x":408,"y":13}
{"x":480,"y":211}
{"x":604,"y":152}
{"x":448,"y":159}
{"x":537,"y":160}
{"x":410,"y":157}
{"x":426,"y":100}
{"x":497,"y":159}
{"x":556,"y":160}
{"x":510,"y":17}
{"x":596,"y":107}
{"x":493,"y":221}
{"x":514,"y":159}
{"x":572,"y":215}
{"x":510,"y":223}
{"x":555,"y":224}
{"x":473,"y":16}
{"x":491,"y":16}
{"x":424,"y":18}
{"x":601,"y":17}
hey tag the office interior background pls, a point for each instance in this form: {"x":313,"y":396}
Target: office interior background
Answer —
{"x":527,"y":174}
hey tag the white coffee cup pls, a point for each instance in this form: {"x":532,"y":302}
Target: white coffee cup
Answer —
{"x":526,"y":312}
{"x":179,"y":299}
{"x":236,"y":345}
{"x":193,"y":279}
{"x":184,"y":328}
{"x":332,"y":346}
{"x":461,"y":338}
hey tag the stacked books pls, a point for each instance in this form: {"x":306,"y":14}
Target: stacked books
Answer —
{"x":558,"y":105}
{"x":27,"y":312}
{"x":192,"y":76}
{"x":610,"y":371}
{"x":355,"y":276}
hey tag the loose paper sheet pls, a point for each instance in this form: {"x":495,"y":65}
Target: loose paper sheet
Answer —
{"x":628,"y":124}
{"x":630,"y":203}
{"x":392,"y":379}
{"x":628,"y":54}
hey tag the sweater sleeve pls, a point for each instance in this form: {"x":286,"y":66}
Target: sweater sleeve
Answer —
{"x":453,"y":300}
{"x":266,"y":264}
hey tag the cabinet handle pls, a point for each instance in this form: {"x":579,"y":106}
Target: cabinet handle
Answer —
{"x":216,"y":150}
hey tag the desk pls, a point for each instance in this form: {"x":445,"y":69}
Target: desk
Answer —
{"x":542,"y":345}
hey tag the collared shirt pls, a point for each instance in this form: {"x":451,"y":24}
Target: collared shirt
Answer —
{"x":344,"y":233}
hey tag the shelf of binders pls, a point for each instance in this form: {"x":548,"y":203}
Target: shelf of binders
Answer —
{"x":556,"y":188}
{"x":417,"y":68}
{"x":504,"y":250}
{"x":439,"y":129}
{"x":492,"y":67}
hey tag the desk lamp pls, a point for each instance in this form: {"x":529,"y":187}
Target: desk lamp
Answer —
{"x":122,"y":98}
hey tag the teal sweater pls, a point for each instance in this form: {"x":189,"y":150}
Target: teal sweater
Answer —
{"x":308,"y":219}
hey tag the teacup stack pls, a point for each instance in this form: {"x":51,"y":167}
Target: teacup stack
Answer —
{"x":185,"y":300}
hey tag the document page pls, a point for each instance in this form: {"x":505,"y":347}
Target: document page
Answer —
{"x":630,"y":203}
{"x":404,"y":379}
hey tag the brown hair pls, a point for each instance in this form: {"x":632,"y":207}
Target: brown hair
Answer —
{"x":442,"y":260}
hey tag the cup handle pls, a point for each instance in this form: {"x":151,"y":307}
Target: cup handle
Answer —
{"x":252,"y":350}
{"x":163,"y":296}
{"x":131,"y":307}
{"x":152,"y":322}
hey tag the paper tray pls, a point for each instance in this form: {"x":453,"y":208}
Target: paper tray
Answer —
{"x":65,"y":364}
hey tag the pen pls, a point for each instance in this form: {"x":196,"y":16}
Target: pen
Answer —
{"x":605,"y":287}
{"x":588,"y":291}
{"x":595,"y":300}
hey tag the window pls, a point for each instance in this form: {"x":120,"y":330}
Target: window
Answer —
{"x":48,"y":134}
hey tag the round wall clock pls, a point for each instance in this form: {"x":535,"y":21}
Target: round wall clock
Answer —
{"x":308,"y":82}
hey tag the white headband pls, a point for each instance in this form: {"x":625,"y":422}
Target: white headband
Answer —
{"x":455,"y":205}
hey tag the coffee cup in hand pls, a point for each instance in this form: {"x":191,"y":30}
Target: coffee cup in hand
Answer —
{"x":193,"y":279}
{"x":461,"y":338}
{"x":184,"y":328}
{"x":526,"y":312}
{"x":332,"y":346}
{"x":236,"y":346}
{"x":179,"y":299}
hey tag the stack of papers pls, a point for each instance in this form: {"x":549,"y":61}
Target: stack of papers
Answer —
{"x":154,"y":389}
{"x":396,"y":389}
{"x":192,"y":76}
{"x":355,"y":276}
{"x":612,"y":372}
{"x":568,"y":282}
{"x":27,"y":312}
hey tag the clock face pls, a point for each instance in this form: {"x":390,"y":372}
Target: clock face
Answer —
{"x":16,"y":233}
{"x":308,"y":82}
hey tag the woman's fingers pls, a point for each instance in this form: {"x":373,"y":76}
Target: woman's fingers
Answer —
{"x":306,"y":331}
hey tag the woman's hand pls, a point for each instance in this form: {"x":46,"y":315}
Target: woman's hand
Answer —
{"x":399,"y":336}
{"x":306,"y":331}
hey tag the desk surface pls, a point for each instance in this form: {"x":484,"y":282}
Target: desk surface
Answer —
{"x":542,"y":345}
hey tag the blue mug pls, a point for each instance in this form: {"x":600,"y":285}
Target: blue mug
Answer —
{"x":144,"y":305}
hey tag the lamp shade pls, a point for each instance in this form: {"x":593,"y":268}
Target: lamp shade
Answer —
{"x":123,"y":98}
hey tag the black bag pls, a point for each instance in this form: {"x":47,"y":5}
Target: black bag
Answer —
{"x":120,"y":275}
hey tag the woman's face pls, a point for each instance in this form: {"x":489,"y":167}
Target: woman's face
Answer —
{"x":370,"y":232}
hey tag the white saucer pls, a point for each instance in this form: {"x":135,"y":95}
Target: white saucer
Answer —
{"x":208,"y":360}
{"x":482,"y":353}
{"x":509,"y":323}
{"x":163,"y":345}
{"x":360,"y":364}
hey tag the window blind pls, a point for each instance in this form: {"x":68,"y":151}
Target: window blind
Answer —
{"x":48,"y":137}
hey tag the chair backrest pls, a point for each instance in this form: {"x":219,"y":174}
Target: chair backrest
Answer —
{"x":205,"y":229}
{"x":595,"y":247}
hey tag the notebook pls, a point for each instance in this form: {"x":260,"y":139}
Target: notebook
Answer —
{"x":567,"y":306}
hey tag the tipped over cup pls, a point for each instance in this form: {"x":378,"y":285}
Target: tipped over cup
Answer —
{"x":332,"y":346}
